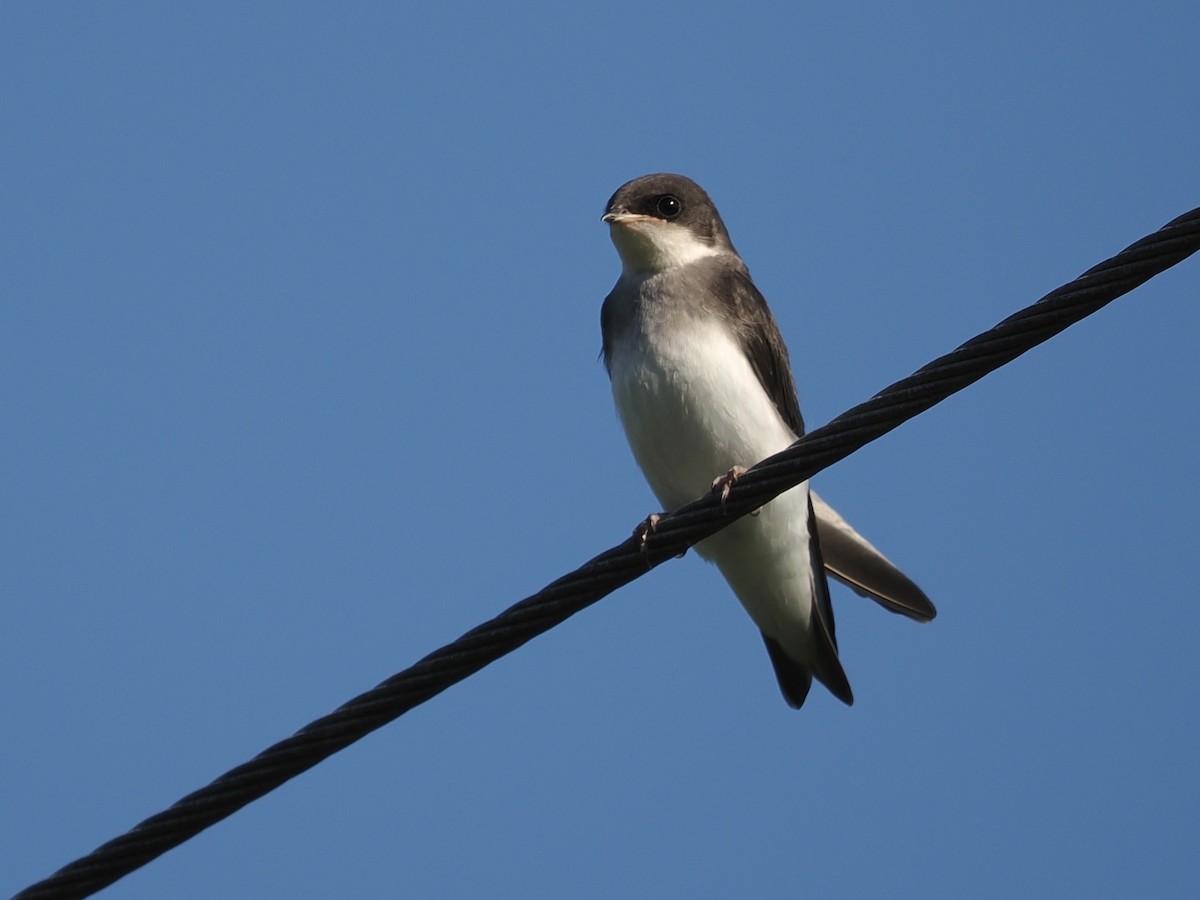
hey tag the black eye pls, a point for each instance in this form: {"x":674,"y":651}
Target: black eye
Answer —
{"x":668,"y":206}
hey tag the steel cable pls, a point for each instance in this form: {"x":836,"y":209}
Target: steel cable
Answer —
{"x":619,"y":565}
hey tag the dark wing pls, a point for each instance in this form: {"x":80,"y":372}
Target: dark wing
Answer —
{"x":795,"y":678}
{"x":827,"y":668}
{"x":752,"y":322}
{"x":608,"y":326}
{"x":849,"y":557}
{"x":852,"y":560}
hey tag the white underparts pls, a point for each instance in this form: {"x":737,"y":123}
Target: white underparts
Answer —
{"x":692,"y":408}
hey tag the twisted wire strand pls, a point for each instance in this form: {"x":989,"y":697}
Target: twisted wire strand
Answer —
{"x":625,"y":562}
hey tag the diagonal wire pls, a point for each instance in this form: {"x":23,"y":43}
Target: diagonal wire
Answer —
{"x":620,"y":565}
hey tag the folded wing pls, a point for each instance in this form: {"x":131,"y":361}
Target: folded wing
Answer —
{"x":851,"y":559}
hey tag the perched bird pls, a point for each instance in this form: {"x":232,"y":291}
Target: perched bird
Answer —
{"x":703,"y":386}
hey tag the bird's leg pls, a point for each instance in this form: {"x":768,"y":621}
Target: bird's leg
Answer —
{"x":724,"y":483}
{"x":646,"y":528}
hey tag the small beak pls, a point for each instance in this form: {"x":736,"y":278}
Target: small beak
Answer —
{"x":619,"y":215}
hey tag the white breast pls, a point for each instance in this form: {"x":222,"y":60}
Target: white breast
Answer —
{"x":692,"y":406}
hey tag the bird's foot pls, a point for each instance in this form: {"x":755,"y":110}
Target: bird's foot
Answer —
{"x":646,"y":528}
{"x":722,"y":485}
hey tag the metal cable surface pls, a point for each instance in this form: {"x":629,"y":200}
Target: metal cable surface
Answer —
{"x":621,"y":564}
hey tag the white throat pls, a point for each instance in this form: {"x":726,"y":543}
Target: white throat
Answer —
{"x":648,"y":246}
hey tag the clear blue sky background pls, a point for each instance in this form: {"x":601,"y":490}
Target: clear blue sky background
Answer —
{"x":298,"y":378}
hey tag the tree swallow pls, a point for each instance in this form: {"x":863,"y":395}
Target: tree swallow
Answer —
{"x":703,"y":387}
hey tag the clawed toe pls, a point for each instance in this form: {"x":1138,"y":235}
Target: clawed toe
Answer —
{"x":646,"y":528}
{"x":723,"y":484}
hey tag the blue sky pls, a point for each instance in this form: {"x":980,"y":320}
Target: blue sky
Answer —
{"x":298,"y":370}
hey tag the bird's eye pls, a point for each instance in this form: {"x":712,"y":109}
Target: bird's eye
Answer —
{"x":668,"y":206}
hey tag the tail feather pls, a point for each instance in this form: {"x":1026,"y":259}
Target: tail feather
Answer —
{"x":794,"y":679}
